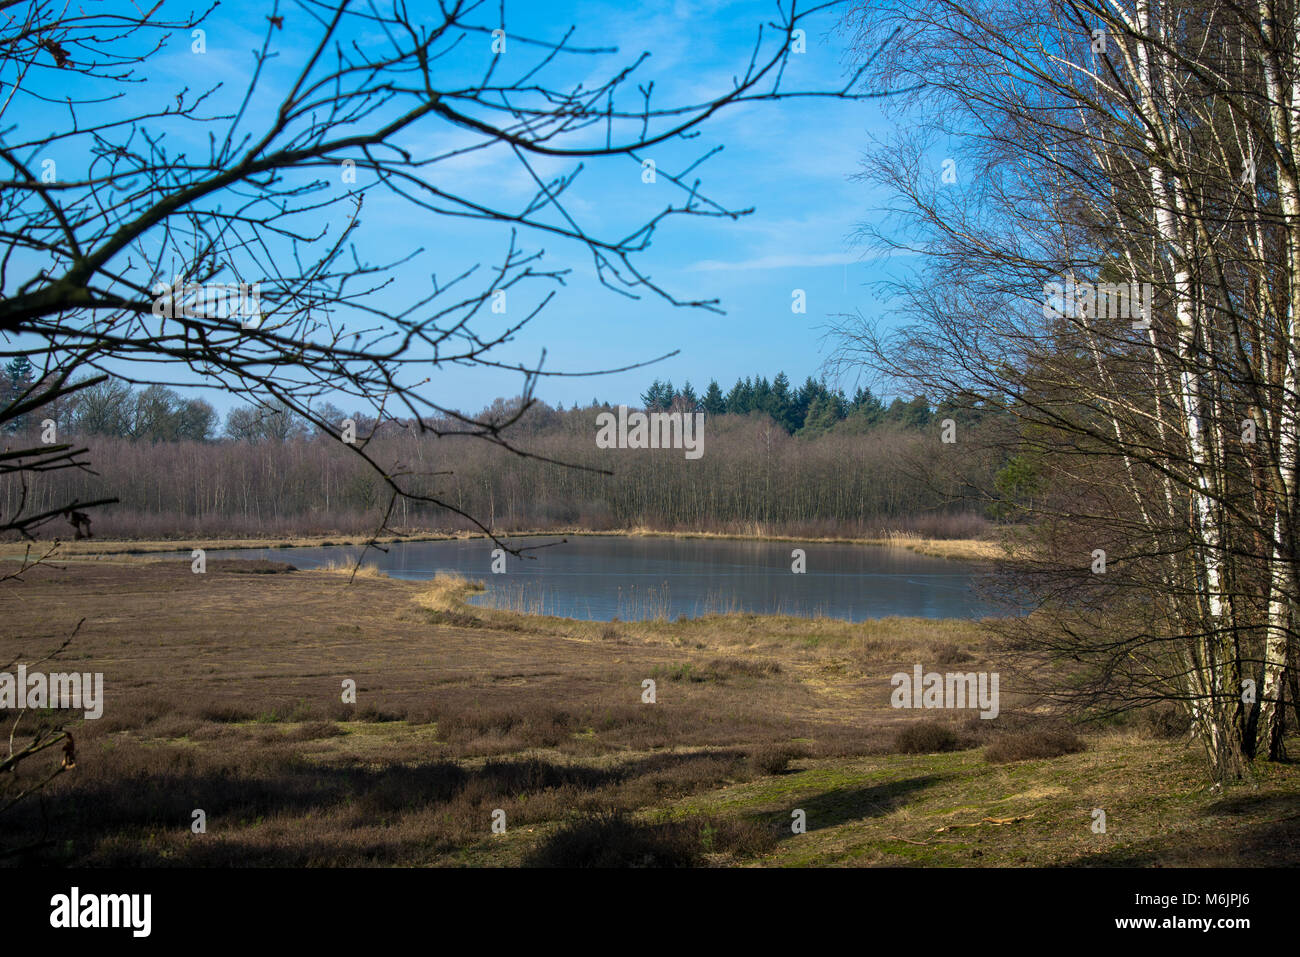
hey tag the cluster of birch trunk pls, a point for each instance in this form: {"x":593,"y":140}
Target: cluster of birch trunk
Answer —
{"x":1116,"y":144}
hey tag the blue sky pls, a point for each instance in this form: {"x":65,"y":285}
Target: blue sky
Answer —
{"x":792,"y":161}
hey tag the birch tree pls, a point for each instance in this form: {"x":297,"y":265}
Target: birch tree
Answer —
{"x":1103,"y":149}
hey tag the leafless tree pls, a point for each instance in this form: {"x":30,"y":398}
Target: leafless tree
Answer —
{"x":1099,"y":149}
{"x":218,"y":240}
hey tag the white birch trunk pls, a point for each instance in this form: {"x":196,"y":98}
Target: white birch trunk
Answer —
{"x":1281,"y":576}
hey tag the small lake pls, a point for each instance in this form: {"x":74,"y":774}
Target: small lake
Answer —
{"x":599,"y":577}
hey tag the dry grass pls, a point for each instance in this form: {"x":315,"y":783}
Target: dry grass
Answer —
{"x":223,"y":693}
{"x":965,"y":549}
{"x":969,"y":549}
{"x":447,"y":593}
{"x":351,"y":570}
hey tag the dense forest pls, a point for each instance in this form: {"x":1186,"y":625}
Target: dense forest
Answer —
{"x":812,"y":407}
{"x":113,"y":408}
{"x":807,"y":460}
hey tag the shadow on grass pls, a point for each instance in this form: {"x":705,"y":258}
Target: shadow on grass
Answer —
{"x":307,"y":814}
{"x":1255,"y":830}
{"x":844,"y":805}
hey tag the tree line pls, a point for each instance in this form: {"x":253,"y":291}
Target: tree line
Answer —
{"x":111,"y":407}
{"x":270,"y":473}
{"x":811,"y":407}
{"x":108,"y":407}
{"x":157,"y":413}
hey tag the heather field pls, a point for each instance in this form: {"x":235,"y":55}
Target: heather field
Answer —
{"x":223,"y":694}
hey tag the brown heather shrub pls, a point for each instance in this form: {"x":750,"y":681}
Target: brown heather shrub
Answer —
{"x":773,"y":758}
{"x":174,"y":726}
{"x":718,"y":670}
{"x":338,"y":711}
{"x":421,"y":715}
{"x":742,"y":837}
{"x":663,"y":776}
{"x":376,"y":716}
{"x":683,"y":672}
{"x":530,"y":775}
{"x":138,"y":713}
{"x":528,"y":725}
{"x":1033,"y":746}
{"x":314,"y":730}
{"x":926,"y":737}
{"x":225,"y":713}
{"x":611,"y":838}
{"x":948,"y":654}
{"x":743,"y":667}
{"x":211,"y":731}
{"x":402,"y":788}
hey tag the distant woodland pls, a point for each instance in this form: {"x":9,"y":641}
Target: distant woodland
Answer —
{"x":807,"y":460}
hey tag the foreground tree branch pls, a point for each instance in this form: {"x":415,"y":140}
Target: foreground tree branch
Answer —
{"x":219,"y":238}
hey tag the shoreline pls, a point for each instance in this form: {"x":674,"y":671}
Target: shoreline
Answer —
{"x":957,"y":549}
